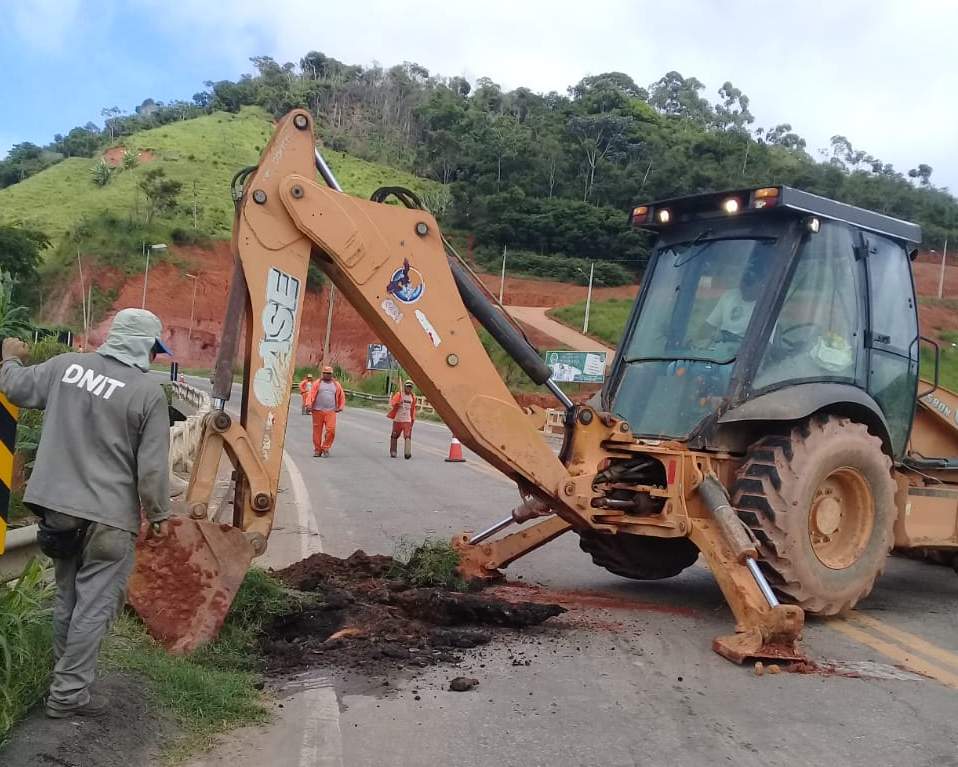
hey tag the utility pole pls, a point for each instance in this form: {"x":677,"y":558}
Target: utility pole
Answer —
{"x":146,"y":271}
{"x":189,"y":334}
{"x":502,"y":278}
{"x":194,"y":207}
{"x":83,"y":301}
{"x":941,"y":274}
{"x":588,"y":300}
{"x":329,"y":323}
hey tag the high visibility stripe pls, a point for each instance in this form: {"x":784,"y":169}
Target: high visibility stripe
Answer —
{"x":8,"y":440}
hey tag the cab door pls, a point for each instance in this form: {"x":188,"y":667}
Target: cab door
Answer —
{"x":893,"y":335}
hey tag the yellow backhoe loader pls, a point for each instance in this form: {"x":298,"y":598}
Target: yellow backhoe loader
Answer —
{"x":760,"y":410}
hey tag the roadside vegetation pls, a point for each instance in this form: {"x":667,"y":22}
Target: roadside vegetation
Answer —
{"x":523,"y":263}
{"x":215,"y":689}
{"x":947,"y":362}
{"x":606,"y":318}
{"x":26,"y":644}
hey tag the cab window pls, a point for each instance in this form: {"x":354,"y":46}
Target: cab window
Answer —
{"x":818,"y":332}
{"x":893,"y":358}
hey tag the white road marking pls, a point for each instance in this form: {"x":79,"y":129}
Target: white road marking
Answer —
{"x":322,"y":736}
{"x":307,"y":524}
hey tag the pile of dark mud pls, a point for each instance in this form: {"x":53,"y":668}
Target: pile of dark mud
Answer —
{"x":366,"y":616}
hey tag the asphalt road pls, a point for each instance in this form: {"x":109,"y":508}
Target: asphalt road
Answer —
{"x":604,"y":687}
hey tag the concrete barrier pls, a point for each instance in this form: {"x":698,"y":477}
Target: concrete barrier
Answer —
{"x":185,"y":435}
{"x":555,"y":421}
{"x":21,"y":547}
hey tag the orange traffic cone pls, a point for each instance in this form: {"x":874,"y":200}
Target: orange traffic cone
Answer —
{"x":455,"y":452}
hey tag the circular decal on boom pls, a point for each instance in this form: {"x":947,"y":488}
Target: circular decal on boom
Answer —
{"x":406,"y":284}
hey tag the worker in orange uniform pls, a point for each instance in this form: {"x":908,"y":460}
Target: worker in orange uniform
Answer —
{"x":325,"y":398}
{"x":303,"y":388}
{"x":402,"y":411}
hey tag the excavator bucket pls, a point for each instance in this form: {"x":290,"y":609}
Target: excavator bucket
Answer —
{"x":183,"y":584}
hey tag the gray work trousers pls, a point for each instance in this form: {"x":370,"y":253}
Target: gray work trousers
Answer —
{"x":91,"y":588}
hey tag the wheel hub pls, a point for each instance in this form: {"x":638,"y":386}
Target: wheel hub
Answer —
{"x":827,"y":515}
{"x":841,"y":518}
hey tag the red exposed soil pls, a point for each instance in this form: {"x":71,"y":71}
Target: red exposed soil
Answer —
{"x":581,"y":599}
{"x":114,"y":156}
{"x":169,"y":294}
{"x":821,"y":669}
{"x":366,"y":616}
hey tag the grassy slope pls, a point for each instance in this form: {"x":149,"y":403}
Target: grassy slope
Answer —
{"x":207,"y":150}
{"x":606,"y":318}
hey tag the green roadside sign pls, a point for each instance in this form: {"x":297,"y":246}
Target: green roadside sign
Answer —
{"x":576,"y":367}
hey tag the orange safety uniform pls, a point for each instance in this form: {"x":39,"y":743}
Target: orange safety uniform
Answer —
{"x":401,"y":427}
{"x":324,"y":421}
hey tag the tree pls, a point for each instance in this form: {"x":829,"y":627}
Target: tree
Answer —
{"x":678,"y":96}
{"x":597,"y":136}
{"x":160,"y":192}
{"x":109,"y":114}
{"x":20,"y":250}
{"x":732,"y":113}
{"x":922,"y":173}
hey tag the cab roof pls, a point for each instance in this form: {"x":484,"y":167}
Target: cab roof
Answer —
{"x":661,"y":215}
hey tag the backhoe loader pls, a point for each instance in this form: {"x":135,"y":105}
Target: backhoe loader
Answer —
{"x":760,"y":410}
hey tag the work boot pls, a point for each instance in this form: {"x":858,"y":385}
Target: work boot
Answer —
{"x":92,"y":709}
{"x":317,"y":454}
{"x":407,"y":452}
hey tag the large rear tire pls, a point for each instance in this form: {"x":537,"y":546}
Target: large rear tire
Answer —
{"x":639,"y":557}
{"x":821,"y":502}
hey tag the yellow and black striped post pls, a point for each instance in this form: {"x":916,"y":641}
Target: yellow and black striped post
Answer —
{"x":8,"y":439}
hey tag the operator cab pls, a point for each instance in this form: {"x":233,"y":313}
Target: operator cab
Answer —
{"x":768,"y":305}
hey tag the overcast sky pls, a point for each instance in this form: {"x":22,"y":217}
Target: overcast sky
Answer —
{"x":882,"y":73}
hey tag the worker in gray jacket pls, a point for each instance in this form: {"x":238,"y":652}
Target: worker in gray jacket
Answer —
{"x":103,"y":455}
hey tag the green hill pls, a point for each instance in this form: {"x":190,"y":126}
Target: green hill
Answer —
{"x":206,"y":151}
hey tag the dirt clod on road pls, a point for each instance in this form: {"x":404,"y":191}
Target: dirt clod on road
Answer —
{"x":367,"y":617}
{"x":463,"y":684}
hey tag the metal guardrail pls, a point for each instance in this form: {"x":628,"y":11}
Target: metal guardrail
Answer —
{"x":21,"y":543}
{"x":422,"y":404}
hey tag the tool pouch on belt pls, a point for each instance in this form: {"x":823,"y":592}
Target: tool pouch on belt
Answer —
{"x":60,"y":544}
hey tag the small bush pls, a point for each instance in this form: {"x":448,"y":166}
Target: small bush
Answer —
{"x":102,"y":173}
{"x":432,"y":563}
{"x":181,"y":236}
{"x":45,"y":348}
